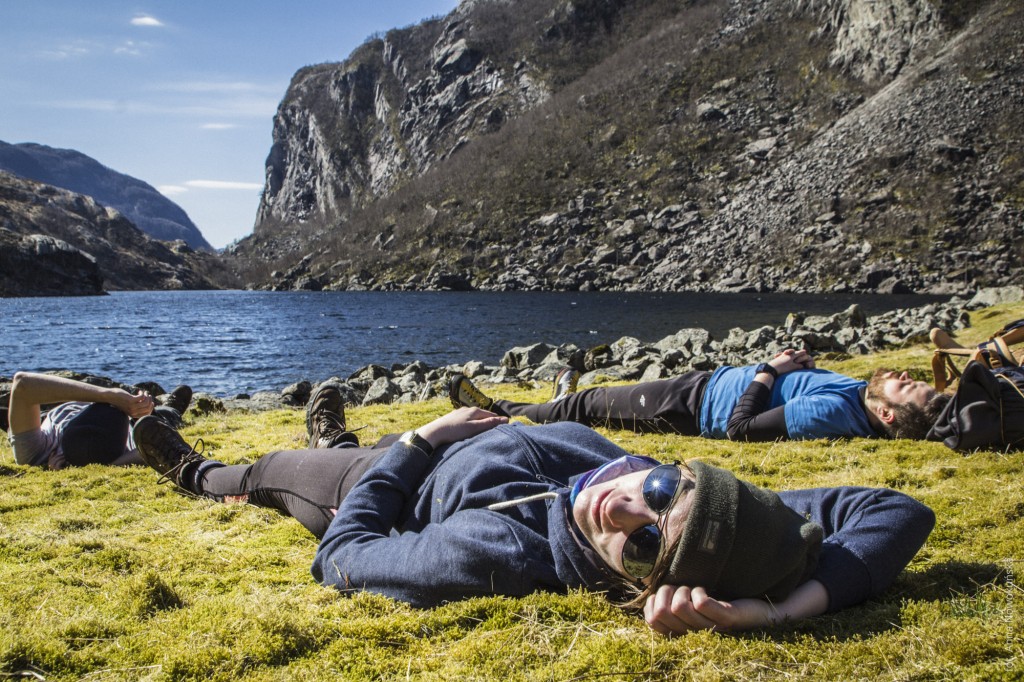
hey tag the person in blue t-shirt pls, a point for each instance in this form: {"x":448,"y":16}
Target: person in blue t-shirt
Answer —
{"x":786,"y":398}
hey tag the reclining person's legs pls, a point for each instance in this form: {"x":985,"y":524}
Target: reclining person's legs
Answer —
{"x":308,"y":485}
{"x":664,"y":406}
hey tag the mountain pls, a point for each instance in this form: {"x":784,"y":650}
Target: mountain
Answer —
{"x":150,"y":211}
{"x":57,"y":242}
{"x":722,"y":145}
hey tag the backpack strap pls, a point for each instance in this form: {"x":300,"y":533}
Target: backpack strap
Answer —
{"x":1011,"y":334}
{"x":1002,"y":420}
{"x":942,"y":360}
{"x":997,"y":354}
{"x":945,"y":346}
{"x":994,"y":353}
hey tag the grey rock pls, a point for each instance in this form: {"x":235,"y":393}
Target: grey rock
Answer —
{"x":522,"y":357}
{"x":995,"y":295}
{"x":297,"y":393}
{"x":382,"y":391}
{"x":204,"y":403}
{"x":38,"y":265}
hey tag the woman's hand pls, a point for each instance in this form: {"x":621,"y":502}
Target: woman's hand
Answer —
{"x":674,"y":610}
{"x":459,"y":424}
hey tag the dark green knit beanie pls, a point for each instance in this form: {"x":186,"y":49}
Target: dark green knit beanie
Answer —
{"x":742,"y":541}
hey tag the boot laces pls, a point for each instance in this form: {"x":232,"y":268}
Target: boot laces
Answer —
{"x":195,"y":454}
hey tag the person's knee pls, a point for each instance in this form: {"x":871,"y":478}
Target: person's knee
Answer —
{"x":96,"y":435}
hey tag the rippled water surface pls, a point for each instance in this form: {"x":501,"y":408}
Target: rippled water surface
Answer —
{"x":227,"y":342}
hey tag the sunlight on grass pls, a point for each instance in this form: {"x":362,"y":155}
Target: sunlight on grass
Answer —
{"x":106,"y":576}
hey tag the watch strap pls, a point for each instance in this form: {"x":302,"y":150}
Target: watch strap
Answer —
{"x":414,"y":440}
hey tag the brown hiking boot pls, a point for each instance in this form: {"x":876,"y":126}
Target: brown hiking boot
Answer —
{"x":325,"y":419}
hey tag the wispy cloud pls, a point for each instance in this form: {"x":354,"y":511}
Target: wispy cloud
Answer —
{"x":130,"y":48}
{"x":221,"y":184}
{"x":75,"y":50}
{"x":81,"y":49}
{"x":177,"y":190}
{"x":146,"y":20}
{"x":218,"y":126}
{"x":224,"y":87}
{"x":212,"y":107}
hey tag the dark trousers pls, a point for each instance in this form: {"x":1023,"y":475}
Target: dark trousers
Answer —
{"x":97,"y":434}
{"x":664,"y":406}
{"x":308,"y":485}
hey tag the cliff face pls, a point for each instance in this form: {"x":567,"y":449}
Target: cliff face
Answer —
{"x":150,"y":211}
{"x":346,"y":134}
{"x":745,"y":145}
{"x":56,"y":242}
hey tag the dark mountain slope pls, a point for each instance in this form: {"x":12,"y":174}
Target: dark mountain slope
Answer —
{"x":647,"y":144}
{"x":48,"y":230}
{"x":150,"y":211}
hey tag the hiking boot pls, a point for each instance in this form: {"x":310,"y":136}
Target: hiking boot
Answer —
{"x":565,"y":383}
{"x":179,"y":399}
{"x":463,"y":393}
{"x":325,"y":419}
{"x":163,"y":449}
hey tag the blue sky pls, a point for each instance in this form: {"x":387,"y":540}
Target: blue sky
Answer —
{"x":180,"y":94}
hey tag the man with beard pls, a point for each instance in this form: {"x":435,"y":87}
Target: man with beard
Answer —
{"x":786,"y":398}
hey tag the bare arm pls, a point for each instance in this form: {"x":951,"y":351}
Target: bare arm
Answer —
{"x":459,"y":424}
{"x":30,"y":390}
{"x":675,"y":610}
{"x":751,"y":420}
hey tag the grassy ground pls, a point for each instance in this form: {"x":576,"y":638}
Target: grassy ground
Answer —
{"x":106,"y":576}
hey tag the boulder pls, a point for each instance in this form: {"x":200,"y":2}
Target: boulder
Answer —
{"x":38,"y":265}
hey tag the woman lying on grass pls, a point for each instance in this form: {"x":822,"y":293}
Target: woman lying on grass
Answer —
{"x":471,"y":505}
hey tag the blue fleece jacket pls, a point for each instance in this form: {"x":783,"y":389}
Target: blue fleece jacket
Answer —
{"x":417,"y":529}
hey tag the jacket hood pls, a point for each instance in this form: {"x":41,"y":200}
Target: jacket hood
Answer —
{"x":576,"y":564}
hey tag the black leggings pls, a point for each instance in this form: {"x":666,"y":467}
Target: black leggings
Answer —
{"x":664,"y":406}
{"x":308,"y":485}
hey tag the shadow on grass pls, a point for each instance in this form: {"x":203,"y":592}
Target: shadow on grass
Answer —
{"x":950,"y":579}
{"x":942,"y":582}
{"x":6,"y":471}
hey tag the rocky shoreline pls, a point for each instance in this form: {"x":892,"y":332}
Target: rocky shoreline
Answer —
{"x":842,"y":334}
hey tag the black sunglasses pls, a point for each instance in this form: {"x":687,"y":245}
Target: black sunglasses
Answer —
{"x":643,"y":547}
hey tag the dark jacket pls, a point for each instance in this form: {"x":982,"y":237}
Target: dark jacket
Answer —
{"x":417,"y":528}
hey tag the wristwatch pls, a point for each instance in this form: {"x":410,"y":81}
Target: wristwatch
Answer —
{"x":411,"y":439}
{"x":767,"y":369}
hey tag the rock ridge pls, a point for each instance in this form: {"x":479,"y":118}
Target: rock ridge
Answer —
{"x":816,"y":146}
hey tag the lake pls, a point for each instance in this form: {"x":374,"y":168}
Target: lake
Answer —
{"x":228,"y":342}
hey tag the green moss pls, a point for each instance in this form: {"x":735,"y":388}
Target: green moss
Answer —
{"x":104,"y":575}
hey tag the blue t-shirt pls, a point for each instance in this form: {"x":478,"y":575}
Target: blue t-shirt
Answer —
{"x":818,"y":403}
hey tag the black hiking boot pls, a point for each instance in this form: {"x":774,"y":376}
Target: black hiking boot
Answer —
{"x":325,"y":419}
{"x":163,"y":449}
{"x":179,"y":399}
{"x":565,"y":383}
{"x":464,"y":393}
